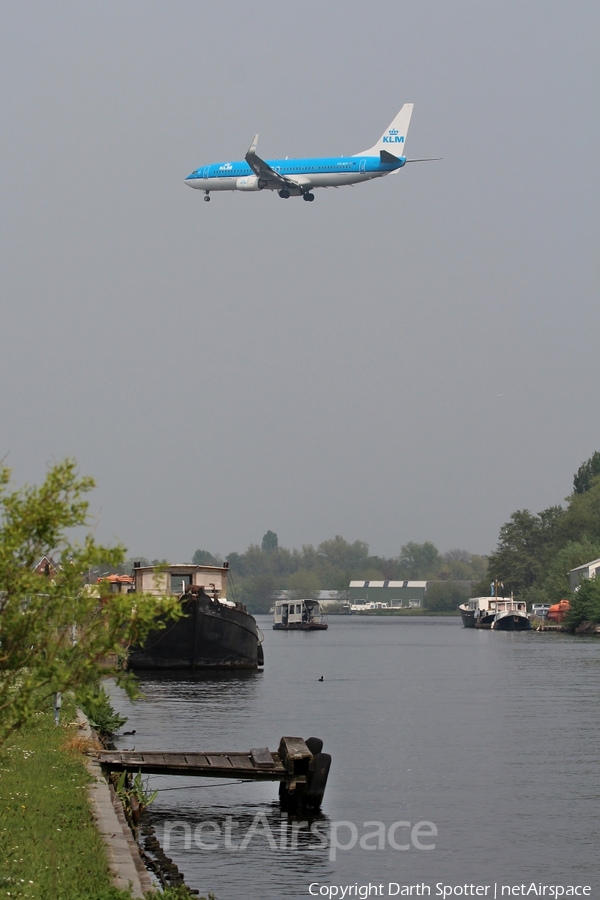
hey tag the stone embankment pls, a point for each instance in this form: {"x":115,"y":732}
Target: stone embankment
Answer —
{"x":125,"y":862}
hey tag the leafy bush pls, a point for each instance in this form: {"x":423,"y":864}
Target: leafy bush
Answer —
{"x":102,"y":716}
{"x":585,"y":603}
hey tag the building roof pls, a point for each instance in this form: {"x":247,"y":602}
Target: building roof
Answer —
{"x":594,"y":562}
{"x":180,"y":567}
{"x":388,"y":584}
{"x":46,"y":566}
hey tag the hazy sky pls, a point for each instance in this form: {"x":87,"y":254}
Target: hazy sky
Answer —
{"x":410,"y":359}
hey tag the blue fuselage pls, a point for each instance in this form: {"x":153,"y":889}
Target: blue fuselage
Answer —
{"x":303,"y":174}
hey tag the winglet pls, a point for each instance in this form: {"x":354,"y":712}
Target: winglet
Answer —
{"x":252,"y":147}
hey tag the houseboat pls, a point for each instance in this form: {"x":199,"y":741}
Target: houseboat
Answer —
{"x":213,"y":633}
{"x":298,"y":615}
{"x":496,"y":613}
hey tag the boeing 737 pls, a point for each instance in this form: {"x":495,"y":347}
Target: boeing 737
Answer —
{"x":298,"y":177}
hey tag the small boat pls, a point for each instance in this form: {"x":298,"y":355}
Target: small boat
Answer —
{"x":298,"y":615}
{"x":496,"y":613}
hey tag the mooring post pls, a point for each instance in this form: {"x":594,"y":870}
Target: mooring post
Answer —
{"x":307,"y":771}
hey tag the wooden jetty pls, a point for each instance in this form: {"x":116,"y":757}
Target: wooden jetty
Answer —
{"x":300,"y":767}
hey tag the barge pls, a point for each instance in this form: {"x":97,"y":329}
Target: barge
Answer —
{"x":213,"y":633}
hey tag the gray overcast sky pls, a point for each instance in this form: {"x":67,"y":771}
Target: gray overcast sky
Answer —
{"x":409,"y":359}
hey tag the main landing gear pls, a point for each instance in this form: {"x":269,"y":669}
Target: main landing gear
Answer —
{"x":206,"y":197}
{"x":284,"y":193}
{"x":309,"y":197}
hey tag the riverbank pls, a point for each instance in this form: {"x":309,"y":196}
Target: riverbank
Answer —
{"x":51,"y":845}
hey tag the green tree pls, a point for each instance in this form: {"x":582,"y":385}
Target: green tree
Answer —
{"x":585,"y":474}
{"x":54,"y":631}
{"x":418,"y":561}
{"x":585,"y":603}
{"x":236,"y":562}
{"x":204,"y":558}
{"x":258,"y":592}
{"x":269,"y":543}
{"x":555,"y":585}
{"x":340,"y":554}
{"x":443,"y":596}
{"x":304,"y":586}
{"x":581,"y":519}
{"x":460,"y":565}
{"x":524,"y":546}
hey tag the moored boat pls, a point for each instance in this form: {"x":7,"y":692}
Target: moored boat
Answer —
{"x":497,"y":613}
{"x":213,"y":633}
{"x":298,"y":615}
{"x":511,"y":615}
{"x":477,"y":612}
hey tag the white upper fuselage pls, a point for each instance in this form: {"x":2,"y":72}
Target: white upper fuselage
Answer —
{"x":301,"y":174}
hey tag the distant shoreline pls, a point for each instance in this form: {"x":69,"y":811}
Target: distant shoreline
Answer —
{"x":393,"y":612}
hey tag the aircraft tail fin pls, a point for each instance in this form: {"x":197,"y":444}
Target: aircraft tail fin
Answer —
{"x":393,"y":138}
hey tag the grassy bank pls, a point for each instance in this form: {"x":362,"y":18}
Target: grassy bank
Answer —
{"x":49,"y":846}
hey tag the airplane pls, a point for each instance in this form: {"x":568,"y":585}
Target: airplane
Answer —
{"x":298,"y":177}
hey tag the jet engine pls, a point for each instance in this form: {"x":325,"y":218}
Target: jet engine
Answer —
{"x":249,"y":183}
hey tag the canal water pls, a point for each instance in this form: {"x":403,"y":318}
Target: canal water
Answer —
{"x":472,"y":754}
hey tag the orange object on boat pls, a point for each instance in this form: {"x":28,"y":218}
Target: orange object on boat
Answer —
{"x":558,"y":612}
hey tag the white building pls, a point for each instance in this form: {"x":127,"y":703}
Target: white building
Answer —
{"x":587,"y":570}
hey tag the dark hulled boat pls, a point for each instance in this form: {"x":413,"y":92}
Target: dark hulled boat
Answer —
{"x":477,"y":612}
{"x":213,"y":633}
{"x":496,"y":613}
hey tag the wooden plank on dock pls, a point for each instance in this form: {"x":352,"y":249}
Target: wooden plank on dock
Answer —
{"x":219,"y":761}
{"x":135,"y":759}
{"x":196,"y":759}
{"x":259,"y":763}
{"x":261,"y":757}
{"x":174,"y":760}
{"x":239,"y":761}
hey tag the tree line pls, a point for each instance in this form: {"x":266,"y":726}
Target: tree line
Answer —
{"x":266,"y":568}
{"x":536,"y":551}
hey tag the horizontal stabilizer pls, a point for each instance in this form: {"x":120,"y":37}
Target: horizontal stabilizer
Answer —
{"x":386,"y":157}
{"x":426,"y":159}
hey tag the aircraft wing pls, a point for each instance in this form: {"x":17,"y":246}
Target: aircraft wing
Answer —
{"x":262,"y":169}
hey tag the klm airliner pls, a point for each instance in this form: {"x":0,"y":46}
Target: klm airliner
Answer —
{"x":298,"y":177}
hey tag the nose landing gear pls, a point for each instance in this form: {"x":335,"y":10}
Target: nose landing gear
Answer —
{"x":206,"y":197}
{"x":308,"y":197}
